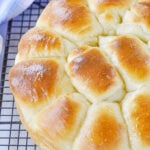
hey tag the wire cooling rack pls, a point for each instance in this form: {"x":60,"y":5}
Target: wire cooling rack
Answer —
{"x":13,"y":136}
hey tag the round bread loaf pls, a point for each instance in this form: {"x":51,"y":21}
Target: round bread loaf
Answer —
{"x":81,"y":78}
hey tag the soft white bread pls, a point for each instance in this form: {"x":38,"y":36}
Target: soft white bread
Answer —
{"x":103,"y":129}
{"x":93,"y":75}
{"x":71,"y":20}
{"x":70,"y":76}
{"x":109,"y":13}
{"x":76,"y":1}
{"x":38,"y":42}
{"x":55,"y":126}
{"x":131,"y":57}
{"x":60,"y":122}
{"x":136,"y":110}
{"x":137,"y":20}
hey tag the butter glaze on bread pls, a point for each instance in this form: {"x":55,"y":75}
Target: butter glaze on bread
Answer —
{"x":81,"y":76}
{"x":136,"y":20}
{"x":27,"y":78}
{"x":103,"y":129}
{"x":73,"y":21}
{"x":99,"y":82}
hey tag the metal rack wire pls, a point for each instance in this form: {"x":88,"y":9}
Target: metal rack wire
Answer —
{"x":12,"y":134}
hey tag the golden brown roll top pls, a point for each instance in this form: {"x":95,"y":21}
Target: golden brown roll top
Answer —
{"x":142,"y":12}
{"x":132,"y":58}
{"x":76,"y":1}
{"x":38,"y":80}
{"x":109,"y":13}
{"x":104,"y":5}
{"x":93,"y":75}
{"x":60,"y":122}
{"x":37,"y":40}
{"x":27,"y":77}
{"x":103,"y":129}
{"x":48,"y":90}
{"x":137,"y":20}
{"x":71,"y":20}
{"x":38,"y":43}
{"x":136,"y":109}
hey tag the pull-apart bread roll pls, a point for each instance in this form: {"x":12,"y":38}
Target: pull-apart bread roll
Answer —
{"x":136,"y":109}
{"x":37,"y":82}
{"x":38,"y":42}
{"x":79,"y":82}
{"x":93,"y":75}
{"x":137,"y":20}
{"x":131,"y":57}
{"x":103,"y":129}
{"x":71,"y":20}
{"x":109,"y":13}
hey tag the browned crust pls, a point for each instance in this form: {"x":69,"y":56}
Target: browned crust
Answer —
{"x":33,"y":81}
{"x":92,"y":68}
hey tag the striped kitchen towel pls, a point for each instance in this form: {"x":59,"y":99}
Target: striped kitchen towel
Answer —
{"x":11,"y":8}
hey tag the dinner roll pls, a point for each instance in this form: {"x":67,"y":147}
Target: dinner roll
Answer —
{"x":109,"y":13}
{"x":38,"y":42}
{"x":62,"y":120}
{"x":35,"y":83}
{"x":81,"y":78}
{"x":131,"y":57}
{"x":93,"y":75}
{"x":136,"y":109}
{"x":137,"y":20}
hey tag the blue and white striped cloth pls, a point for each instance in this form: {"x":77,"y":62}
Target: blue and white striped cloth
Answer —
{"x":12,"y":8}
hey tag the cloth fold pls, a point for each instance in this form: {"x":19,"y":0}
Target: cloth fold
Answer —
{"x":12,"y":8}
{"x":1,"y":44}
